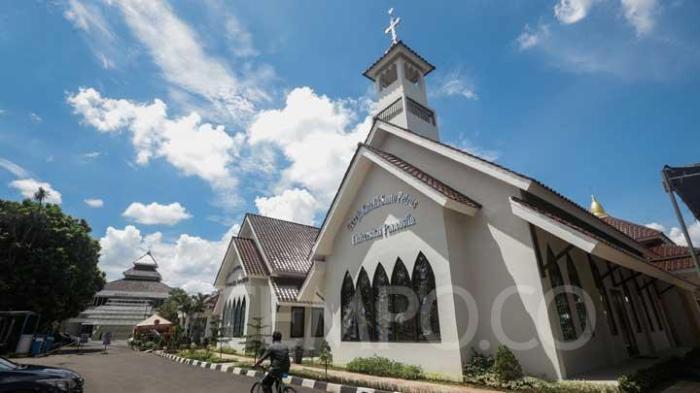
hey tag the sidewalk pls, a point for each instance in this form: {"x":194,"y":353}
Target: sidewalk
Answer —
{"x":362,"y":380}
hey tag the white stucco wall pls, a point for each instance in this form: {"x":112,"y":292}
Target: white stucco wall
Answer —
{"x":428,"y":236}
{"x":496,"y":251}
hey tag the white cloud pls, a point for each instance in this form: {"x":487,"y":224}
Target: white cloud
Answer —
{"x":530,"y":37}
{"x":95,"y":203}
{"x":237,"y":35}
{"x":318,"y":137}
{"x":155,"y":213}
{"x":294,"y":205}
{"x":640,"y":13}
{"x":103,"y":42}
{"x":455,"y":84}
{"x":176,"y":49}
{"x":572,"y":11}
{"x":656,"y":225}
{"x":676,"y":233}
{"x":188,"y":262}
{"x":465,"y":143}
{"x":13,"y":168}
{"x":195,"y":148}
{"x":91,"y":155}
{"x":36,"y":119}
{"x":27,"y":187}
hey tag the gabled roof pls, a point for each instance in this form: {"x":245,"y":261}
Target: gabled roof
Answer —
{"x":672,"y":257}
{"x":425,"y":178}
{"x":592,"y":243}
{"x":637,"y":232}
{"x":284,"y":245}
{"x":502,"y":173}
{"x":287,"y":291}
{"x":250,"y":257}
{"x":140,"y":286}
{"x":397,"y":48}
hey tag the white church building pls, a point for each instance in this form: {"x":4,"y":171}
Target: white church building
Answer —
{"x":428,"y":252}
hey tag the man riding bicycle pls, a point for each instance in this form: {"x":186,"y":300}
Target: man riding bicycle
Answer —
{"x":278,"y":354}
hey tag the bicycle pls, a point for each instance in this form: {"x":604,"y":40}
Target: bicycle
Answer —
{"x":278,"y":386}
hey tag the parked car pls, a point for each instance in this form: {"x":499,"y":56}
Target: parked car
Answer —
{"x":25,"y":378}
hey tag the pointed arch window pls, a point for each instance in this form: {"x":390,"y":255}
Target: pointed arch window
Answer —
{"x":234,"y":318}
{"x":242,"y":321}
{"x":562,"y":303}
{"x":427,"y":318}
{"x":229,"y":320}
{"x":224,"y":316}
{"x":404,"y":319}
{"x":365,"y":312}
{"x":382,"y":304}
{"x":347,"y":304}
{"x":575,"y":281}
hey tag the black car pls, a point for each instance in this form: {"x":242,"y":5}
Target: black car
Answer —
{"x":25,"y":378}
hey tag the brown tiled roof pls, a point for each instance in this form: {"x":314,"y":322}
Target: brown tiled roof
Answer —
{"x":425,"y":178}
{"x":512,"y":172}
{"x":285,"y":292}
{"x":388,"y":51}
{"x":673,"y":257}
{"x":675,"y":264}
{"x":250,"y":257}
{"x":667,"y":264}
{"x":284,"y":244}
{"x":557,"y":217}
{"x":635,"y":231}
{"x":670,"y":250}
{"x":126,"y":285}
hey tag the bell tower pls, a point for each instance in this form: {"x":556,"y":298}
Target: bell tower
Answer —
{"x":398,"y":77}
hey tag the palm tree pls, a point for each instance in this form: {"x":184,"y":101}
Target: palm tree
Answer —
{"x":40,"y":195}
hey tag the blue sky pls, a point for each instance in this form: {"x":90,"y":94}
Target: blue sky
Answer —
{"x":163,"y":122}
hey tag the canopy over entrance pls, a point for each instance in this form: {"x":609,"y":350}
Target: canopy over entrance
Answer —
{"x":154,"y":320}
{"x":685,"y":181}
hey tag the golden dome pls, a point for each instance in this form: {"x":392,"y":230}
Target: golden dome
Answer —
{"x":597,"y":208}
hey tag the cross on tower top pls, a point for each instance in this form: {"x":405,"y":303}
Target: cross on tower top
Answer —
{"x":393,"y":24}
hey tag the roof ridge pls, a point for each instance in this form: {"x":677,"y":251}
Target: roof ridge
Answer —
{"x":634,"y":223}
{"x":550,"y":189}
{"x":281,"y":219}
{"x":443,"y":184}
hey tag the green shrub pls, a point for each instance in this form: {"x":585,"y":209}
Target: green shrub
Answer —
{"x":384,"y":367}
{"x":506,"y":366}
{"x":478,"y":364}
{"x":656,"y":375}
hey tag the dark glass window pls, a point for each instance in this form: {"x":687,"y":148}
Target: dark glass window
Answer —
{"x":630,"y":301}
{"x":347,"y":301}
{"x":603,"y":295}
{"x":427,"y":321}
{"x":654,"y":308}
{"x":317,"y":322}
{"x":575,"y":281}
{"x":241,"y":319}
{"x":382,"y":304}
{"x":297,"y":328}
{"x":365,"y":313}
{"x":561,"y":301}
{"x":404,"y":322}
{"x":236,"y":317}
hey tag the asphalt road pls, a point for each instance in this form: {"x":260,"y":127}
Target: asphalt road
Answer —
{"x":124,"y":370}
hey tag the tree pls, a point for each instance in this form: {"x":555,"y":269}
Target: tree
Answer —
{"x":40,"y":195}
{"x":178,"y":302}
{"x":325,"y":355}
{"x":48,"y":260}
{"x":254,"y":340}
